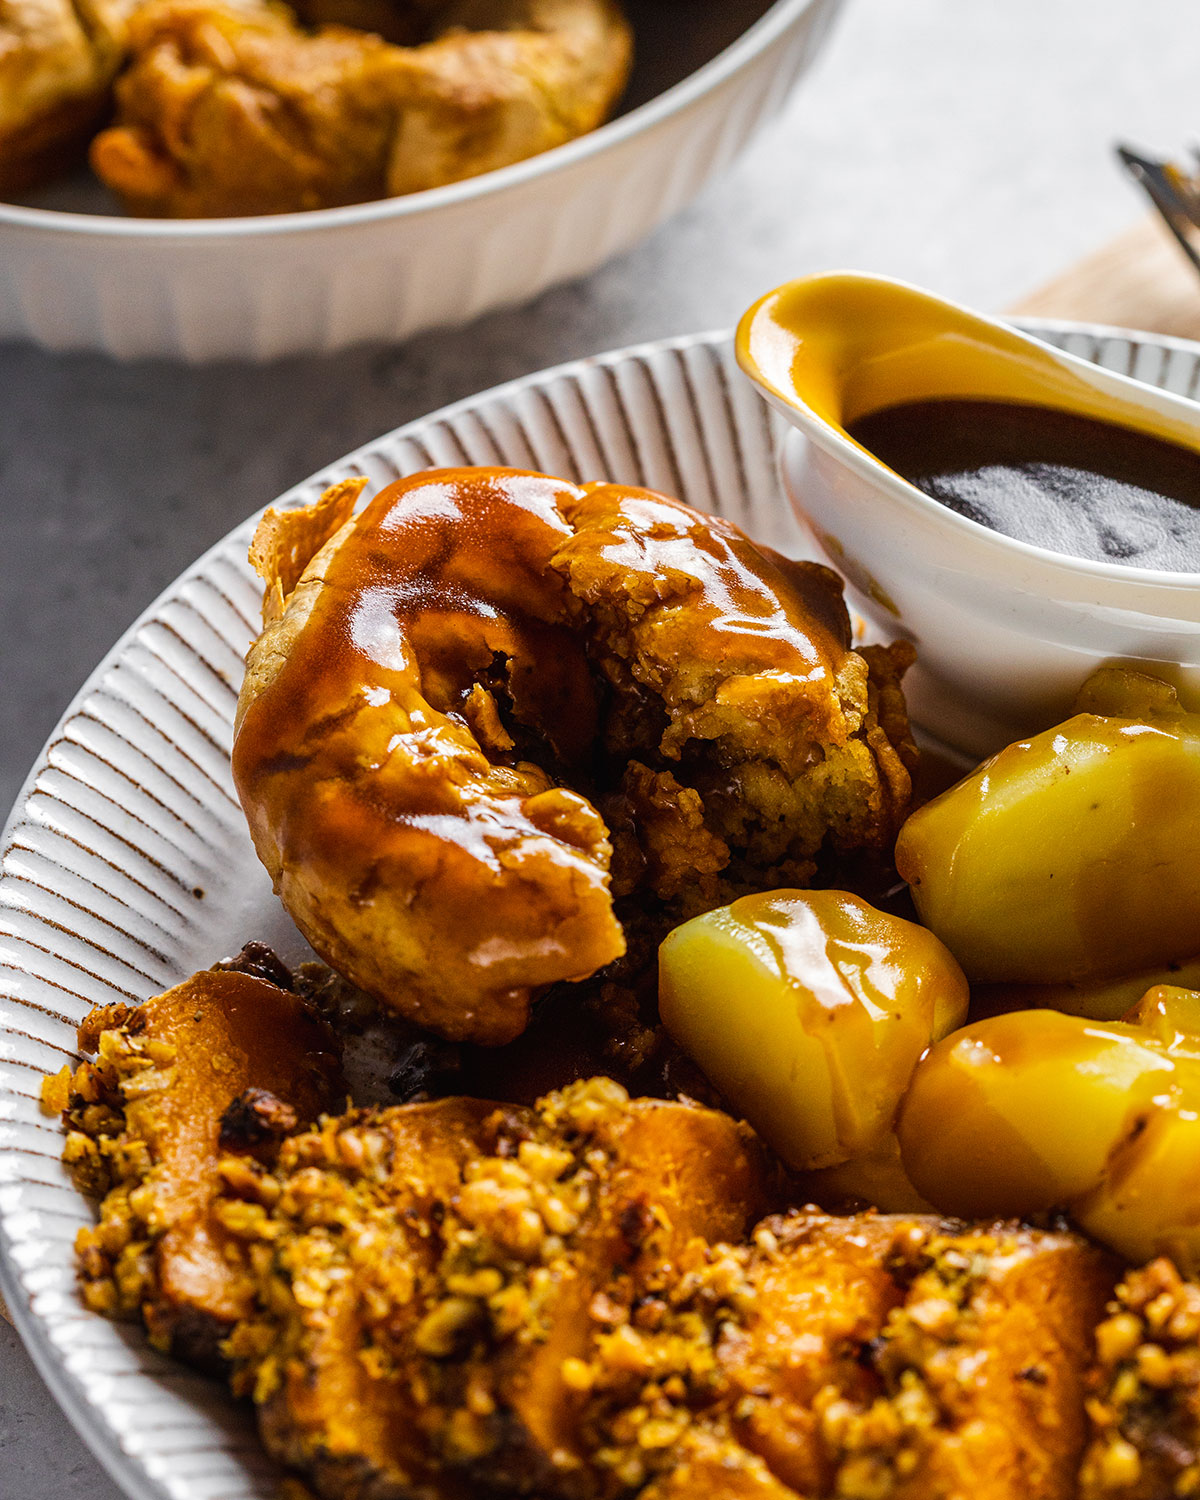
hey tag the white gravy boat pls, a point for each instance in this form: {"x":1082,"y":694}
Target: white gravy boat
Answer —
{"x":1005,"y":631}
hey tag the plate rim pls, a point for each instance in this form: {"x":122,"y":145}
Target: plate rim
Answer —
{"x":86,"y":1416}
{"x":1143,"y":336}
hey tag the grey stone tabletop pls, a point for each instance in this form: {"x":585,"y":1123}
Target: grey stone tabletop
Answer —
{"x":963,"y":144}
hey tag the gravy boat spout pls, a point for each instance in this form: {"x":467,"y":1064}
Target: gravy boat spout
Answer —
{"x":1006,"y":631}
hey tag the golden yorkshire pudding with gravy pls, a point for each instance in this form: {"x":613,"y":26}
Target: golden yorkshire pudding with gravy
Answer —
{"x":232,"y":109}
{"x":495,"y":701}
{"x":59,"y":60}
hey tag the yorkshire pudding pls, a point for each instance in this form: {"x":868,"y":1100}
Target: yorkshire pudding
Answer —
{"x":228,"y":108}
{"x":458,"y":693}
{"x":57,"y":63}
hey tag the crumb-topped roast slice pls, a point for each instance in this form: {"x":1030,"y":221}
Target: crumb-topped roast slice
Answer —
{"x":462,"y":690}
{"x":434,"y":1278}
{"x":544,"y":1301}
{"x":228,"y":1061}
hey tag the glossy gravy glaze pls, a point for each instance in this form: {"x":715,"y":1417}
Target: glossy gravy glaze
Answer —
{"x":422,"y":725}
{"x":1070,"y":483}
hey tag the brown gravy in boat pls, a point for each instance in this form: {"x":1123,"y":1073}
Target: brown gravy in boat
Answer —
{"x":1070,"y":483}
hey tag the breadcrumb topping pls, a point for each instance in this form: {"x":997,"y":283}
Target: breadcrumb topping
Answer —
{"x":109,"y":1109}
{"x":925,"y":1349}
{"x":1145,"y":1402}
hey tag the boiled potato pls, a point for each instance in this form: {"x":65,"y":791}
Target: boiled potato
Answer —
{"x":1149,"y":1204}
{"x":809,"y":1010}
{"x":877,"y":1180}
{"x":1036,"y":1110}
{"x":1171,"y":1014}
{"x":1020,"y":1113}
{"x":1100,"y":999}
{"x":1075,"y":855}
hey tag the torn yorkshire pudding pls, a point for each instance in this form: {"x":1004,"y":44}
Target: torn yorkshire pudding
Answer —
{"x":229,"y":108}
{"x":412,"y":838}
{"x":470,"y":684}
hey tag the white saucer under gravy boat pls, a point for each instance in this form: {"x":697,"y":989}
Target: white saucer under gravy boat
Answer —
{"x":1005,"y":631}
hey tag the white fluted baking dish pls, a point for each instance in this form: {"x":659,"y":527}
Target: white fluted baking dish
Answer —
{"x":255,"y":288}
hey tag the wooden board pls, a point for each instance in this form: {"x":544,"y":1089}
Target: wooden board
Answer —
{"x":1140,"y":280}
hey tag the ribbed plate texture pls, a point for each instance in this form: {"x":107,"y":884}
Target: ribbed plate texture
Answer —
{"x":127,"y":865}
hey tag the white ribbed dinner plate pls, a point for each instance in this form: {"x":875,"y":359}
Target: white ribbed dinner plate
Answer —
{"x":126,"y":862}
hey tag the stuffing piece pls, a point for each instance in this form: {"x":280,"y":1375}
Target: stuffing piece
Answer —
{"x":736,"y":664}
{"x":224,"y":1057}
{"x":730,"y":639}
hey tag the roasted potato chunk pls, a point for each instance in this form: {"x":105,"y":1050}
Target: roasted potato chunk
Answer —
{"x":808,"y":1010}
{"x":1072,"y":856}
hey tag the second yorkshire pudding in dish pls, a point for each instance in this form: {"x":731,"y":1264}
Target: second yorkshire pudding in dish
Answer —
{"x":57,"y":63}
{"x":469,"y":696}
{"x":233,"y":107}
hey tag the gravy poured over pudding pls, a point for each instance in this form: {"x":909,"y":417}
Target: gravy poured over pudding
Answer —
{"x":1070,"y":483}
